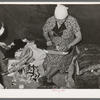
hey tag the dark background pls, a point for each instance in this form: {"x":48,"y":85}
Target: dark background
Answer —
{"x":22,"y":19}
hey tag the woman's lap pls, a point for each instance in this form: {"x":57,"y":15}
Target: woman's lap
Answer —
{"x":61,"y":62}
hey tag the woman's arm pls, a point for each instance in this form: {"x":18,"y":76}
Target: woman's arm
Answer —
{"x":77,"y":32}
{"x":76,"y":40}
{"x":55,"y":52}
{"x":46,"y":36}
{"x":46,"y":29}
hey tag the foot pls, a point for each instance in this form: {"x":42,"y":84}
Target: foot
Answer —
{"x":42,"y":80}
{"x":51,"y":84}
{"x":70,"y":83}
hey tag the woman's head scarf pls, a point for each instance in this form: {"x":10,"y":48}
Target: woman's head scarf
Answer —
{"x":61,"y":12}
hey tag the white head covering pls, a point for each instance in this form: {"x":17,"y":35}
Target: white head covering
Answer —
{"x":61,"y":12}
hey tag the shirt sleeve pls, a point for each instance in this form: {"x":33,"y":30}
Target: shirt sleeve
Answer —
{"x":49,"y":25}
{"x":75,"y":26}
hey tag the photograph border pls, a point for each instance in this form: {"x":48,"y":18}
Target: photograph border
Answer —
{"x":61,"y":94}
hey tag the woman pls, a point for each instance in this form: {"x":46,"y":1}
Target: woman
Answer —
{"x":62,"y":33}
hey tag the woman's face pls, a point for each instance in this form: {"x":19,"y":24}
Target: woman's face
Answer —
{"x":60,"y":21}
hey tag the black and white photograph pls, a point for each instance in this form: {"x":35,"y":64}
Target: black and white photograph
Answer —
{"x":50,"y":46}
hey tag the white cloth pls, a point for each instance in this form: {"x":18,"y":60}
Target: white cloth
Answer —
{"x":61,"y":12}
{"x":38,"y":54}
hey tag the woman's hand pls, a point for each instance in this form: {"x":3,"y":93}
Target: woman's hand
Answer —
{"x":69,"y":46}
{"x":65,"y":53}
{"x":49,"y":43}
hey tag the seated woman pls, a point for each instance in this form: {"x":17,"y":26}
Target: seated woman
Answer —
{"x":62,"y":32}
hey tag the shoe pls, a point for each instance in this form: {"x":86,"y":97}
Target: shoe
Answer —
{"x":51,"y":85}
{"x":42,"y":80}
